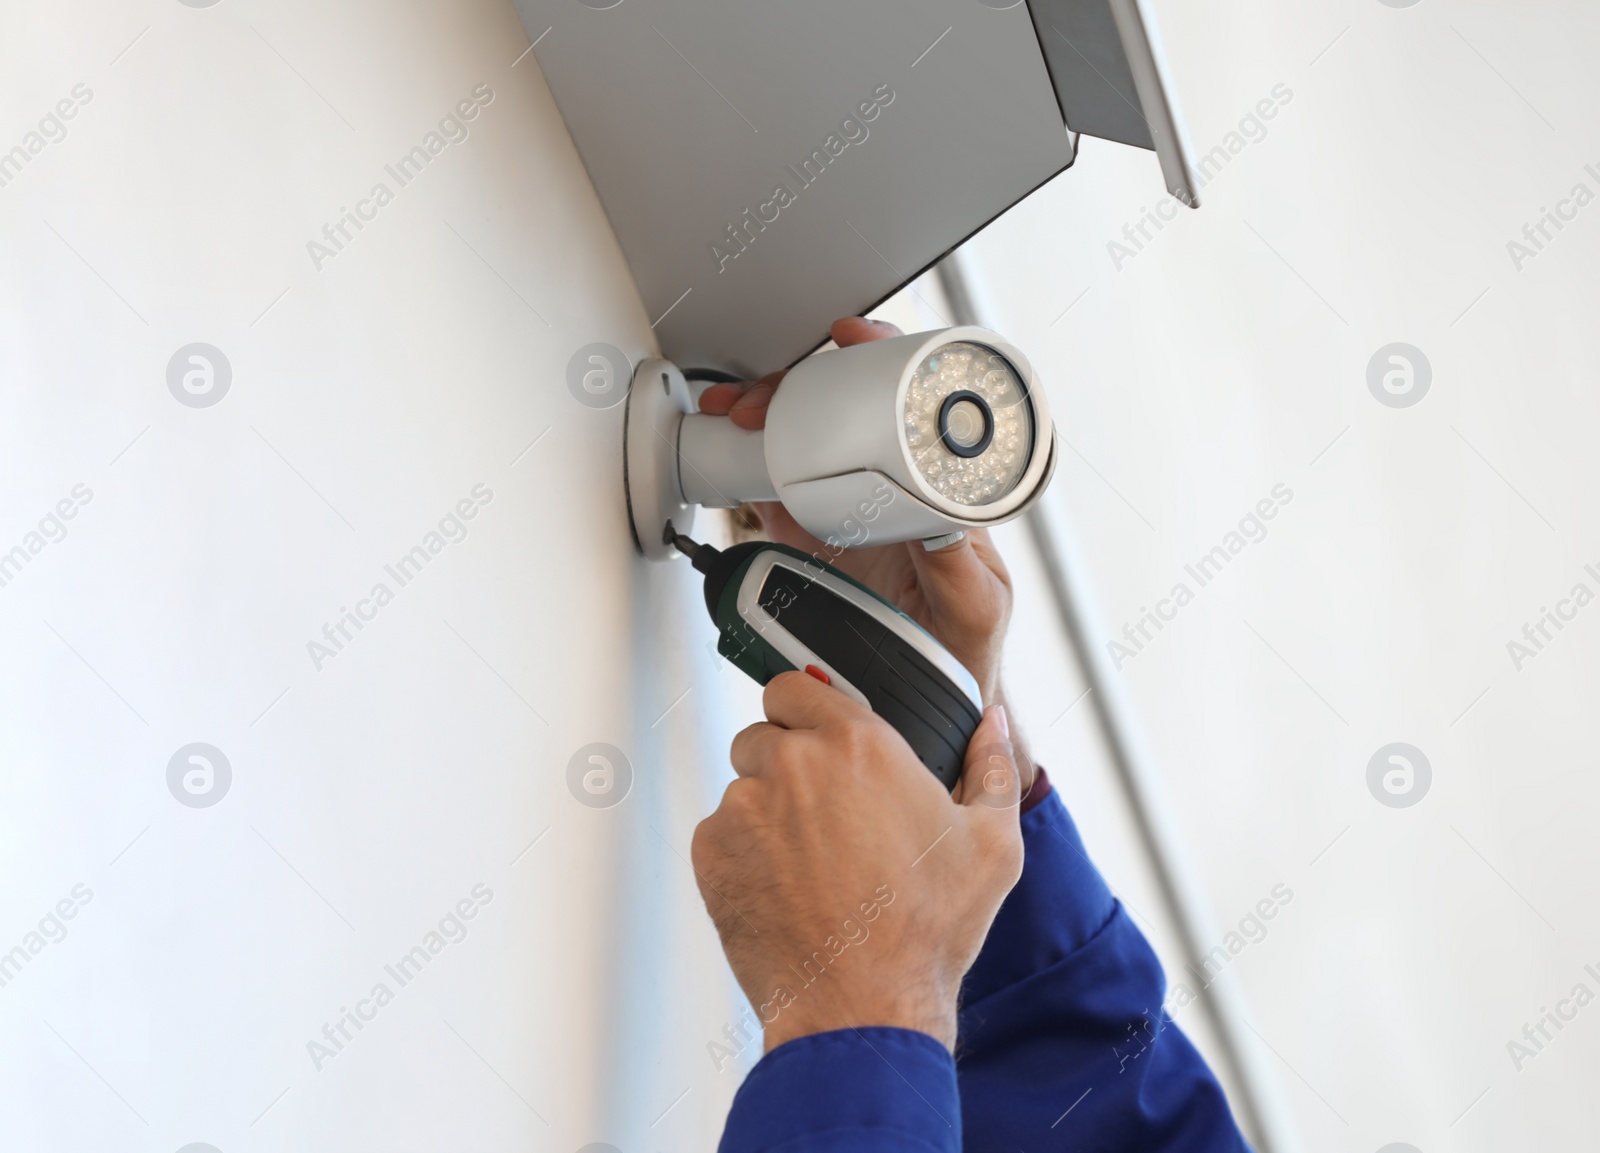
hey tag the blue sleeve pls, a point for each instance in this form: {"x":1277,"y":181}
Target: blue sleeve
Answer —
{"x":1063,"y":1040}
{"x":874,"y":1090}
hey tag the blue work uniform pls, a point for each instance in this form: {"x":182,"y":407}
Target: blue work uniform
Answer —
{"x":1063,"y":1043}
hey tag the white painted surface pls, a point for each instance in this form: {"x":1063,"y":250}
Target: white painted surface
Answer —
{"x":371,"y":796}
{"x":1225,"y":358}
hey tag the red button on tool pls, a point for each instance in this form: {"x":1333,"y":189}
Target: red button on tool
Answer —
{"x":812,"y":670}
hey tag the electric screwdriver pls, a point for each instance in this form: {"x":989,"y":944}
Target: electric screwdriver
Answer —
{"x":777,"y":609}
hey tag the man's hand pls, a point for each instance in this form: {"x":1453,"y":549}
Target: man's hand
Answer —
{"x":848,"y":887}
{"x":960,"y":594}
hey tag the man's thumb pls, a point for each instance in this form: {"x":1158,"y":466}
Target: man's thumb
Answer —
{"x":949,"y":571}
{"x":989,"y":776}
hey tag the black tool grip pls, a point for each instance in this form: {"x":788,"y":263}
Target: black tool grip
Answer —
{"x":902,"y":685}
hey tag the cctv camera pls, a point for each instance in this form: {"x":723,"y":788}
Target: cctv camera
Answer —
{"x":912,"y":438}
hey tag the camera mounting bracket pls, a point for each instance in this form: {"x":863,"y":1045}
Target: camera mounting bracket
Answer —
{"x":658,"y":400}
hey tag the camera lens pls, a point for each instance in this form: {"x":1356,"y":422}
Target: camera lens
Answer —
{"x":968,"y":423}
{"x":965,"y":423}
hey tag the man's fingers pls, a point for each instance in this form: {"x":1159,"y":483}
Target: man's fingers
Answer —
{"x":954,"y":571}
{"x":746,"y":403}
{"x":850,"y":330}
{"x":750,"y":410}
{"x":722,"y":398}
{"x":719,"y":398}
{"x":800,"y":701}
{"x":752,"y":748}
{"x":989,"y":778}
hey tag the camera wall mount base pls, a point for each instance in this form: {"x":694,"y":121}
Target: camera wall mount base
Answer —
{"x":658,"y":400}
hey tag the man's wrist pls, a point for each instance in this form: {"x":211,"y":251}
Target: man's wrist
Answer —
{"x":920,"y":1010}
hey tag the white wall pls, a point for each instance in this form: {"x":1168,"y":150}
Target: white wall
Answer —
{"x":1226,"y":357}
{"x":369,"y":797}
{"x":370,"y":396}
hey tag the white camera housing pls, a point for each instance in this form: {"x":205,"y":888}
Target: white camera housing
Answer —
{"x":913,"y":437}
